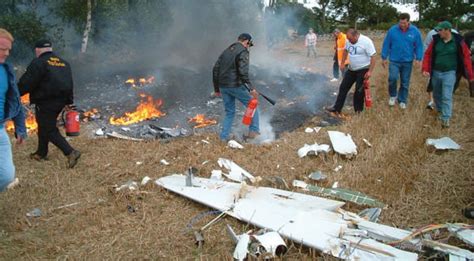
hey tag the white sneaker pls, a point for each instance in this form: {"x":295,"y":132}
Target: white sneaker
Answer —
{"x":391,"y":101}
{"x":403,"y":105}
{"x":333,"y":80}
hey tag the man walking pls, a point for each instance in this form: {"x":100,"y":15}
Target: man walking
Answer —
{"x":339,"y":46}
{"x":230,"y":73}
{"x":310,"y":42}
{"x":401,"y":46}
{"x":446,"y":54}
{"x":10,"y":109}
{"x":48,"y":80}
{"x":361,"y":52}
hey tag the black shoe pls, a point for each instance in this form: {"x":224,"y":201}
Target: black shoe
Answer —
{"x":331,"y":110}
{"x":73,"y":158}
{"x":37,"y":157}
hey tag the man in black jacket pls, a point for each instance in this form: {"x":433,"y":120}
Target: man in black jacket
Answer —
{"x":230,"y":73}
{"x":48,"y":80}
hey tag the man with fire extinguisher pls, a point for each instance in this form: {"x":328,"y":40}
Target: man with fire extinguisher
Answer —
{"x":48,"y":80}
{"x":230,"y":78}
{"x":361,"y":52}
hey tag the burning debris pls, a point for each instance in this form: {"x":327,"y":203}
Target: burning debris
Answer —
{"x":140,"y":82}
{"x":30,"y":121}
{"x":201,"y":121}
{"x":92,"y":114}
{"x":147,"y":109}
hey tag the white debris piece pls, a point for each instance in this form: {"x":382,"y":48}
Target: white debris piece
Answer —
{"x":126,"y":129}
{"x":342,"y":143}
{"x":145,"y":181}
{"x":444,"y":143}
{"x":205,"y":141}
{"x":299,"y":184}
{"x":338,"y":168}
{"x":130,"y":185}
{"x":236,"y":173}
{"x":99,"y":132}
{"x":216,"y":174}
{"x":313,"y":149}
{"x":335,"y":184}
{"x":139,"y":162}
{"x":317,"y":129}
{"x":465,"y":234}
{"x":234,"y":144}
{"x":317,"y":175}
{"x":309,"y":130}
{"x":164,"y":162}
{"x":272,"y":242}
{"x":241,"y":250}
{"x":367,"y":143}
{"x":205,"y":162}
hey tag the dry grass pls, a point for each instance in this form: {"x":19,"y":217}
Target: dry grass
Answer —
{"x":419,"y":185}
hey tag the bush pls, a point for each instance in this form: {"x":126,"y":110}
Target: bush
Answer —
{"x":26,"y":28}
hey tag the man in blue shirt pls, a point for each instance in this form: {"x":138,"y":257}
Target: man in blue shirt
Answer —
{"x":401,"y":46}
{"x":10,"y":109}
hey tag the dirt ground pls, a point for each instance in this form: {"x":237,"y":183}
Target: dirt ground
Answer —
{"x":419,"y":186}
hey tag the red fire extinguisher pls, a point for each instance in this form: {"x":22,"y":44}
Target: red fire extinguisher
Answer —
{"x":71,"y":122}
{"x":251,"y":108}
{"x":368,"y":97}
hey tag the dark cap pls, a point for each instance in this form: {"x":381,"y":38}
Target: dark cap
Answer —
{"x":245,"y":36}
{"x":43,"y":44}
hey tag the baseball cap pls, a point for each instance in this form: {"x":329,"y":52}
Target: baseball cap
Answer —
{"x":246,"y":36}
{"x":43,"y":43}
{"x":444,"y":25}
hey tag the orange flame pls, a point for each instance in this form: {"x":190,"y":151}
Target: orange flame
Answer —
{"x":201,"y":121}
{"x":141,"y":81}
{"x":147,"y":109}
{"x":31,"y":125}
{"x":87,"y":115}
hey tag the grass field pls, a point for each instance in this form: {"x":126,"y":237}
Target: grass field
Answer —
{"x":419,"y":185}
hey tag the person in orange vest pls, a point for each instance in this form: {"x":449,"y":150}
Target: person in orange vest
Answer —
{"x":340,"y":38}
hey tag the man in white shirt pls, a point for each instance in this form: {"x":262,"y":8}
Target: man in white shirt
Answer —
{"x":361,"y":52}
{"x":310,"y":42}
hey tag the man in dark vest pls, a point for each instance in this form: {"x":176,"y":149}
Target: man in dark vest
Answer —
{"x":48,"y":80}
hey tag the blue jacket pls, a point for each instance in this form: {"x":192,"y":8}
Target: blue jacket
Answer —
{"x":401,"y":46}
{"x":13,"y":108}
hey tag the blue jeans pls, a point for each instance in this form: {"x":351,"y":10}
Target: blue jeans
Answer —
{"x":7,"y":169}
{"x":443,"y":85}
{"x":228,"y":96}
{"x":403,"y":71}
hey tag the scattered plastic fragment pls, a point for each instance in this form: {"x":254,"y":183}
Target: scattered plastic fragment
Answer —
{"x":164,"y":162}
{"x":367,"y":143}
{"x":145,"y":181}
{"x":317,"y":175}
{"x":205,"y":141}
{"x":444,"y":143}
{"x":99,"y":132}
{"x":313,"y":149}
{"x":236,"y":173}
{"x":309,"y":130}
{"x":36,"y":212}
{"x":338,"y":168}
{"x":234,"y":144}
{"x":139,"y":162}
{"x":342,"y":143}
{"x":130,"y":185}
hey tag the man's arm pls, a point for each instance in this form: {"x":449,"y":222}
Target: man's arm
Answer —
{"x":371,"y":67}
{"x":215,"y":75}
{"x":387,"y":43}
{"x":30,"y":80}
{"x":343,"y":60}
{"x":243,"y":67}
{"x":20,"y":126}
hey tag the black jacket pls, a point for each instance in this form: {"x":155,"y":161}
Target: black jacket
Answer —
{"x":232,"y":67}
{"x":48,"y":78}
